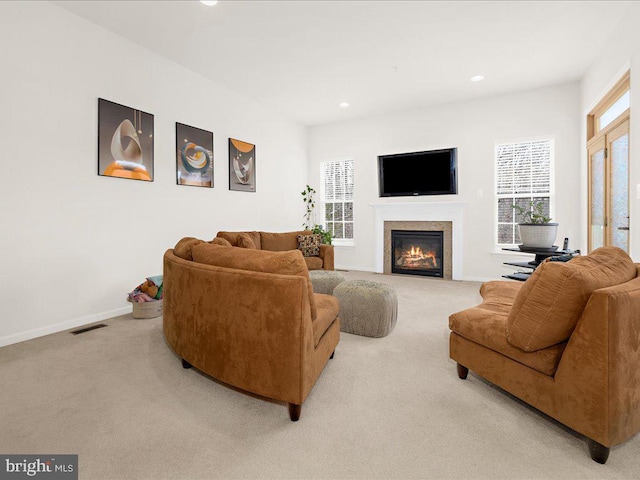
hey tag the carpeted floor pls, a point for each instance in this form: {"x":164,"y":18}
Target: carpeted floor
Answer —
{"x":386,"y":408}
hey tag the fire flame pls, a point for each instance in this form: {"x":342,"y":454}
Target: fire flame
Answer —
{"x":417,"y":258}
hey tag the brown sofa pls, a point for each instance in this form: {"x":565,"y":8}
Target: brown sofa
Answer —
{"x":249,"y":318}
{"x":279,"y":242}
{"x":566,"y":341}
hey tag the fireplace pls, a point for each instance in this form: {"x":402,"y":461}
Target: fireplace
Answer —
{"x":447,"y":217}
{"x":417,"y":252}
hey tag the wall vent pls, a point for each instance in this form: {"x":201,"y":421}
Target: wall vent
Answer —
{"x":88,"y":329}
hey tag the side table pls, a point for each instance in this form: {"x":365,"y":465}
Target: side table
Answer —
{"x":540,"y":256}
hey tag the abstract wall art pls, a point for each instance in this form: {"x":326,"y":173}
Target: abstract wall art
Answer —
{"x":125,"y":142}
{"x":194,"y":156}
{"x":242,"y":166}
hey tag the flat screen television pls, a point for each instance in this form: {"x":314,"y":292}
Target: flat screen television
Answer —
{"x":418,"y":173}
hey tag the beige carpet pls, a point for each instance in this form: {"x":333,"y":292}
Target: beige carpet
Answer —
{"x":383,"y":408}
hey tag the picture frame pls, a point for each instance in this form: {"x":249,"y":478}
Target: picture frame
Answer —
{"x":125,"y":142}
{"x":242,"y":166}
{"x":194,"y":156}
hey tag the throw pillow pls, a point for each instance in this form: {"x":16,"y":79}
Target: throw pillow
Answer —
{"x":221,"y":241}
{"x":233,"y":238}
{"x":244,"y":241}
{"x":550,"y":303}
{"x":309,"y":245}
{"x":184,"y":248}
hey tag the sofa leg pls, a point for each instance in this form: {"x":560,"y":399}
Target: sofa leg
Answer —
{"x":334,"y":352}
{"x":599,"y":453}
{"x":294,"y":412}
{"x":186,"y":364}
{"x":462,"y":371}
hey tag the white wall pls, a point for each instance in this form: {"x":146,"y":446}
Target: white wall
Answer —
{"x":74,"y":243}
{"x":473,"y":127}
{"x":620,"y":53}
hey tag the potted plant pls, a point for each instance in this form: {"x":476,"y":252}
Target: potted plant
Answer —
{"x":309,"y":224}
{"x":536,"y":229}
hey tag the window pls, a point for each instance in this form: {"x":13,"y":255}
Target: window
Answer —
{"x":523,"y":174}
{"x":337,"y":196}
{"x":614,"y":111}
{"x":614,"y":106}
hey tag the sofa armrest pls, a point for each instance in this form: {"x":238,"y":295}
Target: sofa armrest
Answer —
{"x":326,"y":254}
{"x":597,"y":389}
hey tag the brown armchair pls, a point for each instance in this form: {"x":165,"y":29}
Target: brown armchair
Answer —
{"x":567,"y":342}
{"x":249,"y":318}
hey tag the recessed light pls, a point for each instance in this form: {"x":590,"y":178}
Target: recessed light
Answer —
{"x":209,"y":3}
{"x":477,"y":78}
{"x":344,"y":104}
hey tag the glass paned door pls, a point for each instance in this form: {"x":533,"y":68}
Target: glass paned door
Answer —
{"x":609,"y":188}
{"x":597,"y":212}
{"x":618,"y":149}
{"x":608,"y":152}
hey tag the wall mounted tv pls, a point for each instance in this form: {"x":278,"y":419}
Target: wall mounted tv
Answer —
{"x":418,"y":173}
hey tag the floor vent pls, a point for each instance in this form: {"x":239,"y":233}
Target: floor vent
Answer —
{"x":88,"y":329}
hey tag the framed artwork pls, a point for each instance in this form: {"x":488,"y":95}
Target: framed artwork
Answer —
{"x":125,"y":142}
{"x":194,"y":156}
{"x":242,"y":166}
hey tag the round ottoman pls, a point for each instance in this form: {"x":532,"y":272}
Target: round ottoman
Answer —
{"x":324,"y":281}
{"x":367,"y":308}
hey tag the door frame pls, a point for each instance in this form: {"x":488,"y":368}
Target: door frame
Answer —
{"x":597,"y":137}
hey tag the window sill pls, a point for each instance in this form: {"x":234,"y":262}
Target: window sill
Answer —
{"x":343,"y":243}
{"x":499,"y":251}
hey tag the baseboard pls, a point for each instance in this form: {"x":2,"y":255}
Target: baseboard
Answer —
{"x":360,"y":269}
{"x":479,"y":279}
{"x":357,"y":269}
{"x":62,"y":326}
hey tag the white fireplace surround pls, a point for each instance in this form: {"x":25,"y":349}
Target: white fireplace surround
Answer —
{"x":421,"y":212}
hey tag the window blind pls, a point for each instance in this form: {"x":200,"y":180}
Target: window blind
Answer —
{"x":337,"y":196}
{"x":523,"y":174}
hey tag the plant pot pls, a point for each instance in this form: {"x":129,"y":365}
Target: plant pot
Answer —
{"x":538,"y":235}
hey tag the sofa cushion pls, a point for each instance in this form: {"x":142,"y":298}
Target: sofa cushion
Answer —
{"x":220,"y":241}
{"x":550,"y":302}
{"x":279,"y":242}
{"x":284,"y":263}
{"x":309,"y":245}
{"x":184,"y":247}
{"x":328,"y":308}
{"x":245,"y":241}
{"x":488,"y":328}
{"x":313,"y":263}
{"x":232,"y":237}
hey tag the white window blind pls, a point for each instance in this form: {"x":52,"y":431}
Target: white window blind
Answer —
{"x":337,"y":196}
{"x":523,"y":174}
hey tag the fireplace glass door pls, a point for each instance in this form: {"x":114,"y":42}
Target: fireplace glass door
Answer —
{"x":417,"y":252}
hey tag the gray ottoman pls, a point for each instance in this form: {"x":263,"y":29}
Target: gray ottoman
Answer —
{"x":367,"y":308}
{"x":324,"y":281}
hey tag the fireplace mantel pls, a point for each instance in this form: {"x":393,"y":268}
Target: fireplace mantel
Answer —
{"x":426,"y":212}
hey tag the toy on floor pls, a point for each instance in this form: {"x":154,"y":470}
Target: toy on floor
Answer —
{"x":149,"y":291}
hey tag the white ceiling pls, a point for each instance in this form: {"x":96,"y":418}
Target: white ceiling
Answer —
{"x":303,"y":58}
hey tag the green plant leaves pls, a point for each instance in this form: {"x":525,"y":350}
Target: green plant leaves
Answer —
{"x":533,"y":213}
